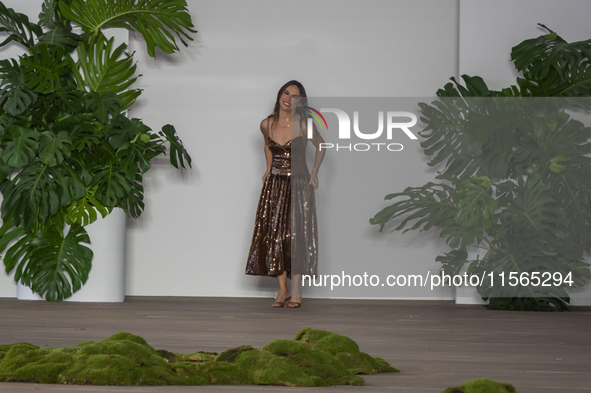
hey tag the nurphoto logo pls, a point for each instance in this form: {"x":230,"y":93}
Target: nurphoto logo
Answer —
{"x":393,"y":124}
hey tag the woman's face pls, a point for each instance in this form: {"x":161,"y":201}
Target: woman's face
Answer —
{"x":285,"y":100}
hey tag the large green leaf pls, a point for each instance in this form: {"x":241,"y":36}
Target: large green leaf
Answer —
{"x":155,"y":20}
{"x":535,"y":213}
{"x":476,"y":205}
{"x":553,"y":67}
{"x":112,"y":184}
{"x":51,"y":264}
{"x":39,"y":192}
{"x":432,"y":205}
{"x":550,"y":53}
{"x":133,"y":202}
{"x":8,"y":232}
{"x":84,"y":211}
{"x":54,"y":148}
{"x":102,"y":69}
{"x":134,"y":144}
{"x":43,"y":68}
{"x":5,"y":122}
{"x":104,"y":105}
{"x":178,"y":154}
{"x":50,"y":15}
{"x":15,"y":97}
{"x":68,"y":99}
{"x":125,"y":130}
{"x":61,"y":37}
{"x":19,"y":146}
{"x":18,"y":27}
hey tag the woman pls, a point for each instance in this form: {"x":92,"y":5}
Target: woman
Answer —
{"x":285,"y":239}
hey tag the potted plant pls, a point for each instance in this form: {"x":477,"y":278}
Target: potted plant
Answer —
{"x":67,"y":151}
{"x":515,"y":178}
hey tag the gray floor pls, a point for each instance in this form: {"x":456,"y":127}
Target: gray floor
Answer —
{"x":434,"y":344}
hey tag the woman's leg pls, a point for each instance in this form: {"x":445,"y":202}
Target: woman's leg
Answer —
{"x":283,"y":292}
{"x":296,"y":290}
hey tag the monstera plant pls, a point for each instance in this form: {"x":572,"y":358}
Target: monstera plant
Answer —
{"x":515,"y":178}
{"x":67,"y":151}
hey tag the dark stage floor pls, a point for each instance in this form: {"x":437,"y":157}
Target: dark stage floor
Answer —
{"x":434,"y":344}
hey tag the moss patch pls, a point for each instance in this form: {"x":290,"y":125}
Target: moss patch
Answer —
{"x":482,"y":385}
{"x":314,"y":358}
{"x":344,"y":349}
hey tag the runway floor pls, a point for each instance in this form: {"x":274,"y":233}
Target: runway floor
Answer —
{"x":434,"y":344}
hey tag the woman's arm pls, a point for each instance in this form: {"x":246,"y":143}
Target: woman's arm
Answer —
{"x":268,"y":154}
{"x":316,"y":141}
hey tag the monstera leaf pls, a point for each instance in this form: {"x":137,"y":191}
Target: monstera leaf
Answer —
{"x":133,"y":202}
{"x":447,"y":140}
{"x":104,"y":105}
{"x":112,"y":184}
{"x":68,"y":99}
{"x":15,"y":97}
{"x":535,"y":212}
{"x":84,"y":211}
{"x":51,"y":264}
{"x":38,"y":192}
{"x":178,"y":153}
{"x":62,"y":37}
{"x":19,"y":146}
{"x":538,"y":57}
{"x":43,"y":68}
{"x":102,"y":69}
{"x":155,"y":20}
{"x":552,"y":66}
{"x":54,"y":148}
{"x":18,"y":27}
{"x":476,"y":205}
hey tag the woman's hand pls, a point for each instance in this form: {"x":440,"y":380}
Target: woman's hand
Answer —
{"x":265,"y":176}
{"x":314,"y":180}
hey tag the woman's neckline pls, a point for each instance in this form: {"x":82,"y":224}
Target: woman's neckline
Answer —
{"x":271,"y":139}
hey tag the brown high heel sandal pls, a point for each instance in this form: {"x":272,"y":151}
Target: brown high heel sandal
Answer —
{"x":294,"y":304}
{"x":281,"y":304}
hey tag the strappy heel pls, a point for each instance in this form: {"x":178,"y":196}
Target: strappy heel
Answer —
{"x":281,"y":304}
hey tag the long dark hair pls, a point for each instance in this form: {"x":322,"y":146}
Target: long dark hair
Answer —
{"x":299,"y":110}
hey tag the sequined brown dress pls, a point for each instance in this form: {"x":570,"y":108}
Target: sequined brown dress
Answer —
{"x":285,"y":232}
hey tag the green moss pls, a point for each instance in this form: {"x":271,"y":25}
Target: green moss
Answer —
{"x":314,"y":363}
{"x":231,"y":354}
{"x":482,"y":385}
{"x":344,"y":349}
{"x":318,"y":358}
{"x":168,"y":356}
{"x":267,"y":368}
{"x":197,"y":357}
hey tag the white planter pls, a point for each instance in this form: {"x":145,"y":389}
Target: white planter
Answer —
{"x":106,"y":281}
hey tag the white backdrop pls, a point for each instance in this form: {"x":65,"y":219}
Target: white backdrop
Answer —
{"x":194,"y":236}
{"x":196,"y":232}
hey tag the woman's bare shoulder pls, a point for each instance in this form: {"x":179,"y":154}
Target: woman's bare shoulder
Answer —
{"x":265,"y":125}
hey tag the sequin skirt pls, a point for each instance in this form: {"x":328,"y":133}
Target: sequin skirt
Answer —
{"x":285,"y":234}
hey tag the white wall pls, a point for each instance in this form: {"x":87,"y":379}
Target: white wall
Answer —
{"x":195,"y":235}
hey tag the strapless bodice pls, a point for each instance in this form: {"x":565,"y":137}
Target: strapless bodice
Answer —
{"x":289,"y":159}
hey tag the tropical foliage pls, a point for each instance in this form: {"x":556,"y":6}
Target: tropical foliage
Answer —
{"x":67,"y":150}
{"x":515,"y":177}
